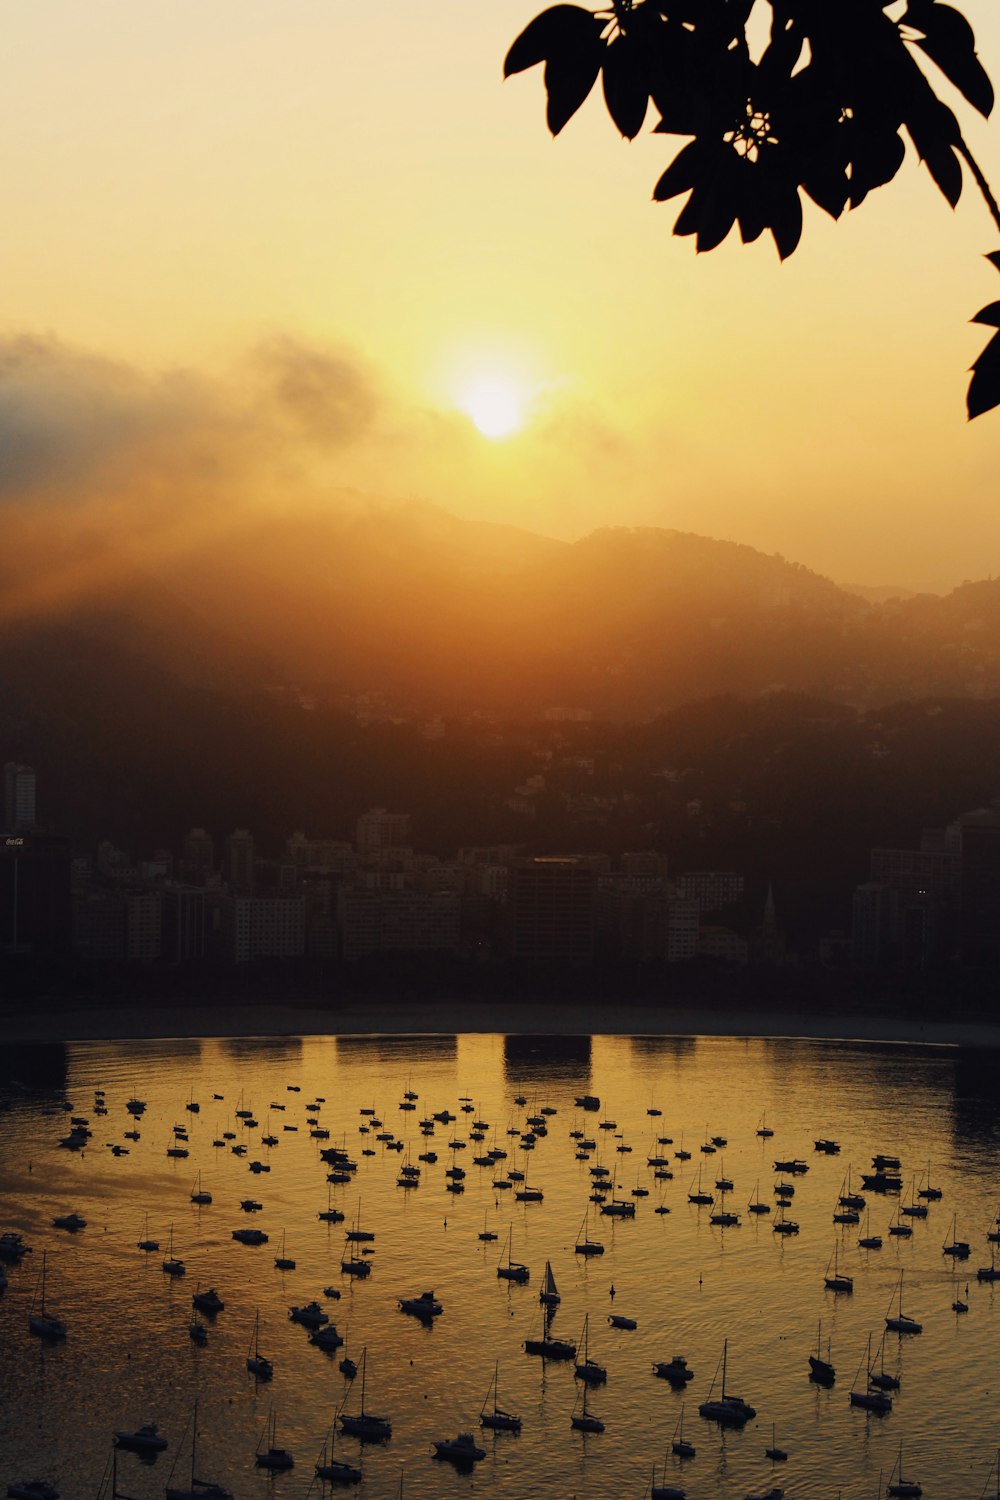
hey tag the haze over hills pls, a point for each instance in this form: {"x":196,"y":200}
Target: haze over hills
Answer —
{"x":447,"y":615}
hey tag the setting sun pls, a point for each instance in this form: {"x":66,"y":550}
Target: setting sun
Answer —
{"x":495,"y":404}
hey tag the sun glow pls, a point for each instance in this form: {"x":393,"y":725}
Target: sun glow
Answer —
{"x":495,"y":404}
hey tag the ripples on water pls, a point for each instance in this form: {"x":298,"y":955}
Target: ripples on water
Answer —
{"x":128,"y":1358}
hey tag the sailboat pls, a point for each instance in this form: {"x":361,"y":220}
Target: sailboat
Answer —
{"x":901,"y":1323}
{"x":42,"y":1323}
{"x":256,"y":1363}
{"x":763,"y":1129}
{"x":549,"y":1294}
{"x":546,"y":1347}
{"x":664,"y":1491}
{"x":199,"y":1194}
{"x":272,"y":1457}
{"x":932,"y":1194}
{"x":365,"y":1425}
{"x":726,"y":1409}
{"x":958,"y":1249}
{"x":774,"y":1453}
{"x":869,"y":1241}
{"x":146,"y":1243}
{"x":173,"y":1266}
{"x":333,"y":1469}
{"x":487,"y":1235}
{"x":357,"y":1233}
{"x":198,"y":1489}
{"x":498,"y":1419}
{"x":588,"y":1369}
{"x":838,"y":1282}
{"x":284,"y":1262}
{"x":679,"y":1445}
{"x":585,"y":1422}
{"x":698,"y":1196}
{"x":871,"y":1398}
{"x":880,"y":1378}
{"x":821,"y":1370}
{"x":755,"y":1206}
{"x":512,"y":1270}
{"x":585,"y":1245}
{"x":331,"y":1215}
{"x":901,"y":1487}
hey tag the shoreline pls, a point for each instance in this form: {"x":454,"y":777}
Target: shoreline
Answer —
{"x":63,"y":1024}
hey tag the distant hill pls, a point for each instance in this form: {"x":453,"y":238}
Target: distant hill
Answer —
{"x":446,"y":615}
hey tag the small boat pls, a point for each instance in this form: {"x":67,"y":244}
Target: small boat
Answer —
{"x":364,"y":1424}
{"x":782,"y":1224}
{"x":589,"y":1102}
{"x":461,"y":1450}
{"x":763,"y":1129}
{"x":269,"y":1455}
{"x":546,"y":1347}
{"x":795,"y":1165}
{"x":931,"y":1194}
{"x":198,"y":1333}
{"x":679,"y":1445}
{"x":208,"y":1302}
{"x":43,"y":1323}
{"x":331,"y":1215}
{"x":675,"y":1370}
{"x":585,"y":1421}
{"x":327,"y":1338}
{"x":618,"y":1320}
{"x":512,"y":1270}
{"x":357,"y":1234}
{"x":250,"y":1236}
{"x":12,"y":1247}
{"x":901,"y":1323}
{"x":258,"y":1366}
{"x":352,"y":1266}
{"x":72,"y":1222}
{"x":147,"y":1439}
{"x":828,"y":1147}
{"x":310,"y":1315}
{"x":347,"y":1368}
{"x":821,"y":1370}
{"x":197,"y":1489}
{"x":426,"y":1307}
{"x":726,"y":1409}
{"x":497,"y":1419}
{"x":903,"y":1489}
{"x":549,"y":1295}
{"x":284,"y":1262}
{"x":698,"y":1195}
{"x":961,"y":1305}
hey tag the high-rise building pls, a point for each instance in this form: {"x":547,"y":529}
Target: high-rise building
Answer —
{"x":265,"y":927}
{"x":552,"y":909}
{"x":36,"y":914}
{"x":240,"y":860}
{"x":183,"y":923}
{"x":379,"y":829}
{"x":143,"y":926}
{"x":18,"y":797}
{"x":198,"y":856}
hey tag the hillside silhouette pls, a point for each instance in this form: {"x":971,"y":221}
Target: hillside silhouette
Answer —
{"x":442,"y":615}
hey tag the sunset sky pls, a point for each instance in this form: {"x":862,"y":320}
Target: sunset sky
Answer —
{"x":307,"y":232}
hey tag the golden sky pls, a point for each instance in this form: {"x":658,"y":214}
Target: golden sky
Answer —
{"x":188,"y":182}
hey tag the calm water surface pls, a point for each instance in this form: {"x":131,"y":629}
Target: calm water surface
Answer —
{"x":128,"y":1358}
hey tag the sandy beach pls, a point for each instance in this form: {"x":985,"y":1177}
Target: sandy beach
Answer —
{"x":360,"y":1018}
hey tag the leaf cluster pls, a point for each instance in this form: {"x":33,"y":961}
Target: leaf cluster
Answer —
{"x":824,"y":110}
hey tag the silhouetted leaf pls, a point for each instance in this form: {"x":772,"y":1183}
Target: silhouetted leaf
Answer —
{"x":993,"y":256}
{"x":625,"y":91}
{"x":556,"y":29}
{"x":949,"y":42}
{"x":569,"y":78}
{"x":786,"y":225}
{"x":934,"y":131}
{"x":681,"y":175}
{"x":989,"y":315}
{"x":984,"y":387}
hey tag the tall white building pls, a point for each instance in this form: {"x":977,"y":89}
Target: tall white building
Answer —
{"x":18,"y":796}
